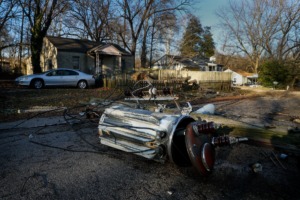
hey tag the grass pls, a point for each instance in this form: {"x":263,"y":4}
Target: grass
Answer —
{"x":278,"y":135}
{"x":17,"y":100}
{"x":270,"y":136}
{"x":12,"y":100}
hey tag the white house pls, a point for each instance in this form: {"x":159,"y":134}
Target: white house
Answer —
{"x":183,"y":63}
{"x":242,"y":78}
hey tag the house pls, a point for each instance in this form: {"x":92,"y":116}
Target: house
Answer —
{"x":184,"y":63}
{"x":4,"y":65}
{"x":175,"y":63}
{"x":85,"y":55}
{"x":239,"y":77}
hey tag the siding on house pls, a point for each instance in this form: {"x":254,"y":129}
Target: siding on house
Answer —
{"x":4,"y":65}
{"x":66,"y":60}
{"x":169,"y":62}
{"x":113,"y":59}
{"x":239,"y":78}
{"x":76,"y":54}
{"x":48,"y":56}
{"x":51,"y":58}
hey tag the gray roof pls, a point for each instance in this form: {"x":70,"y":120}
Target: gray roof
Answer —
{"x":73,"y":45}
{"x":100,"y":47}
{"x":78,"y":45}
{"x":190,"y":63}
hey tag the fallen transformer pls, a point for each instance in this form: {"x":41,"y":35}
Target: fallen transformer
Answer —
{"x":158,"y":136}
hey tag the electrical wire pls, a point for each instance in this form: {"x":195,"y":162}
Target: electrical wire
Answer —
{"x":44,"y":176}
{"x":34,"y":116}
{"x":69,"y":117}
{"x":62,"y":148}
{"x":65,"y":113}
{"x":109,"y":98}
{"x":140,"y":89}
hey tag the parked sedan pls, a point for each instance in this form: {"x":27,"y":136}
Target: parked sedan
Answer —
{"x":57,"y":77}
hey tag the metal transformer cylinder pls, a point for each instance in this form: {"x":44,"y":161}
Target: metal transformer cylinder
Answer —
{"x":145,"y":133}
{"x":158,"y":136}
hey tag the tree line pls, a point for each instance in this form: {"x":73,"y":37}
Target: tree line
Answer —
{"x":267,"y":34}
{"x":143,"y":26}
{"x":124,"y":22}
{"x":254,"y":34}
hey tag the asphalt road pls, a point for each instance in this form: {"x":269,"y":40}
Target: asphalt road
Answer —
{"x":59,"y":161}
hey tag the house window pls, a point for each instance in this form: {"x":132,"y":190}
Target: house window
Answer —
{"x":75,"y":62}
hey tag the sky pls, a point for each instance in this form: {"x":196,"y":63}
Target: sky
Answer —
{"x":205,"y":10}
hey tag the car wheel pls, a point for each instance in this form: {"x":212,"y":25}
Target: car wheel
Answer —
{"x":82,"y":84}
{"x":37,"y":84}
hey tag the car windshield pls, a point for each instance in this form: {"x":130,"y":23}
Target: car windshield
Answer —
{"x":42,"y":72}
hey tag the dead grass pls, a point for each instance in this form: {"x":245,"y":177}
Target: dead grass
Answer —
{"x":15,"y":101}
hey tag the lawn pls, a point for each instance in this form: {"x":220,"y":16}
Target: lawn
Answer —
{"x":16,"y":102}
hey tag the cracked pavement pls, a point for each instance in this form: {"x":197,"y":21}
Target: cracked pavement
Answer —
{"x":58,"y":161}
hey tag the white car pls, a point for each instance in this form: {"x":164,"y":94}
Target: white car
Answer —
{"x":57,"y":77}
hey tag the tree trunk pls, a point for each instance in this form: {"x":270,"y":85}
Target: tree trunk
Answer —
{"x":144,"y":52}
{"x":256,"y":65}
{"x":36,"y":50}
{"x":133,"y":58}
{"x":151,"y":48}
{"x":132,"y":51}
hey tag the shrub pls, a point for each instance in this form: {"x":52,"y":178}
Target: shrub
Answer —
{"x":272,"y":71}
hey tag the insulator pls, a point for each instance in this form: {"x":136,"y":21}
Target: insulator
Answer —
{"x":152,"y":91}
{"x":206,"y":128}
{"x":220,"y":141}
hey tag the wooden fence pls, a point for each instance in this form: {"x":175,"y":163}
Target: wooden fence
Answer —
{"x":177,"y":80}
{"x":194,"y":75}
{"x":158,"y":84}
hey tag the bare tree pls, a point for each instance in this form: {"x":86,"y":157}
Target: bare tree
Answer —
{"x":89,"y":19}
{"x":134,"y":14}
{"x":261,"y":28}
{"x":157,"y":30}
{"x":40,"y":14}
{"x":242,"y":21}
{"x":56,"y":28}
{"x":280,"y":31}
{"x":6,"y":11}
{"x":144,"y":52}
